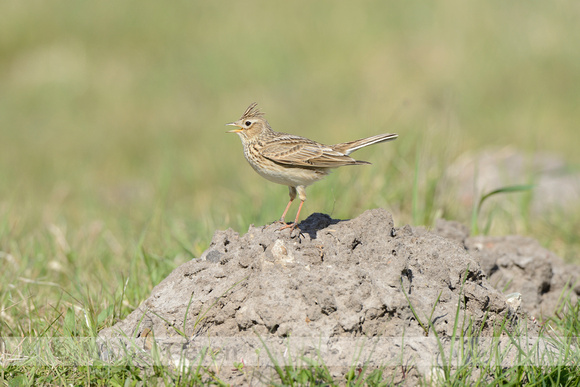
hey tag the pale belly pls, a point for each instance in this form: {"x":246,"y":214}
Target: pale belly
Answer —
{"x":289,"y":176}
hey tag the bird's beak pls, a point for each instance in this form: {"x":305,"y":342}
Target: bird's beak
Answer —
{"x":234,"y":130}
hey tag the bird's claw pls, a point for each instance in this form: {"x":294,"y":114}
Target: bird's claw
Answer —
{"x":292,"y":227}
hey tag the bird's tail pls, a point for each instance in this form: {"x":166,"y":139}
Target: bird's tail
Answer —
{"x":348,"y":147}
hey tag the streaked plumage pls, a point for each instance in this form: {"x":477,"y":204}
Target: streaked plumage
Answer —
{"x":293,"y":160}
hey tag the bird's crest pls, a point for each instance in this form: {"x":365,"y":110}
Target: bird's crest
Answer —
{"x":252,"y":111}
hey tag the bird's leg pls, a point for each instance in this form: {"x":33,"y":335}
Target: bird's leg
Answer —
{"x":302,"y":195}
{"x":292,"y":192}
{"x":285,"y":211}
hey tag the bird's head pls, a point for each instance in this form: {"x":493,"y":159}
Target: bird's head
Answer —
{"x":250,"y":124}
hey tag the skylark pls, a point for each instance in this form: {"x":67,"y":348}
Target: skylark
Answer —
{"x":293,"y":160}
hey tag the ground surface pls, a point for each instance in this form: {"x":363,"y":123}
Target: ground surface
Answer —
{"x":339,"y":283}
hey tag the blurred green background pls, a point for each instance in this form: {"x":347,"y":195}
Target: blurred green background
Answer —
{"x":114,"y":162}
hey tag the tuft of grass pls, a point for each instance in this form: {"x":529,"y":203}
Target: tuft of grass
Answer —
{"x":503,"y":190}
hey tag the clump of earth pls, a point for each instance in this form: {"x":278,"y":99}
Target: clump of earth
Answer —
{"x":342,"y":292}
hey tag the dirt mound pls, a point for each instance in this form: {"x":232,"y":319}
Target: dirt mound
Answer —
{"x":517,"y":264}
{"x":337,"y":282}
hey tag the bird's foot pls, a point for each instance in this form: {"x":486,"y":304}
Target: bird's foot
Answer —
{"x":292,"y":226}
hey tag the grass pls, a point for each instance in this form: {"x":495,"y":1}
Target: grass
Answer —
{"x":115,"y":168}
{"x":477,"y":209}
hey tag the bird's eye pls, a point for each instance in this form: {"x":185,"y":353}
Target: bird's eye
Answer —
{"x":248,"y":123}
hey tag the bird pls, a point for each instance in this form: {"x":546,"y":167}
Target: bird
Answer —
{"x":292,"y":160}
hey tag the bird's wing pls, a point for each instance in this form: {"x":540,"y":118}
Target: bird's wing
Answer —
{"x":300,"y":151}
